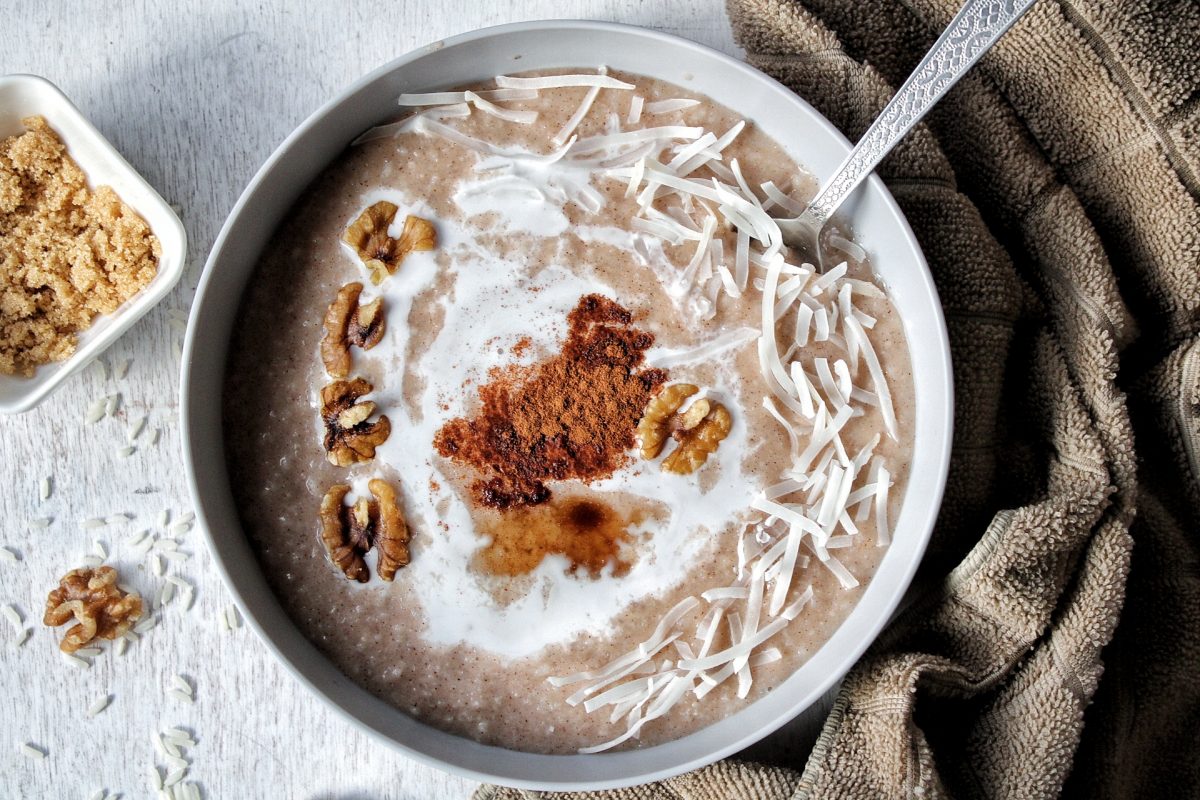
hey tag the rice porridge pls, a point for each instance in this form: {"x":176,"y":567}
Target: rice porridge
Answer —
{"x":539,"y":431}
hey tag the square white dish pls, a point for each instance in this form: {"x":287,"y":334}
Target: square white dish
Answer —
{"x":29,"y":95}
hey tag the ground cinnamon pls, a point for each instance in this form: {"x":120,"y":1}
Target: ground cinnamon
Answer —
{"x":570,"y":416}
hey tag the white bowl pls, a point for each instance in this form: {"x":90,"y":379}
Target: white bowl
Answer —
{"x":478,"y":56}
{"x":28,"y":95}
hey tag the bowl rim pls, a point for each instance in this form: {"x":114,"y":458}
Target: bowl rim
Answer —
{"x":942,"y":389}
{"x":165,"y":225}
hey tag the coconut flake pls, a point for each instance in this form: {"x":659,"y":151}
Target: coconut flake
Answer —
{"x":561,"y":82}
{"x":669,"y":106}
{"x":519,"y":116}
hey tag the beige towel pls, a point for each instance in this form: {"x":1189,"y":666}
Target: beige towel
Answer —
{"x":1056,"y":194}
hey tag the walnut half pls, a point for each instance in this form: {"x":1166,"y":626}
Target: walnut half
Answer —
{"x":699,"y":441}
{"x":349,"y":323}
{"x":349,"y":437}
{"x":652,"y":429}
{"x":382,"y":254}
{"x":92,"y":599}
{"x":349,"y":532}
{"x":699,"y":429}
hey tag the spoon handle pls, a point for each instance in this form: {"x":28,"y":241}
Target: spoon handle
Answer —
{"x":970,"y":34}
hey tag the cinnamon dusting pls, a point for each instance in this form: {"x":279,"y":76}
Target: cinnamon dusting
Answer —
{"x":571,"y":416}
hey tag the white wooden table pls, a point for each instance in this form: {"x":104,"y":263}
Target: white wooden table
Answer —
{"x":195,"y":95}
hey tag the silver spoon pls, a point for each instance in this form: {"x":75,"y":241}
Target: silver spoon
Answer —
{"x":970,"y":34}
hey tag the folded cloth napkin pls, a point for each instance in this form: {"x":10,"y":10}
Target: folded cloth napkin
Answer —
{"x":1055,"y":192}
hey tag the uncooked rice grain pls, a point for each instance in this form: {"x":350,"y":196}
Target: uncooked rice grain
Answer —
{"x":99,"y":550}
{"x":94,"y":522}
{"x":179,"y":735}
{"x":91,"y":561}
{"x":74,"y":661}
{"x":22,"y":637}
{"x":125,"y":452}
{"x":121,"y":646}
{"x":88,"y":652}
{"x":155,"y":779}
{"x":41,"y":522}
{"x":45,"y":488}
{"x":112,"y":403}
{"x":175,"y":556}
{"x":30,"y":751}
{"x":181,"y":696}
{"x":98,"y":706}
{"x":9,"y":555}
{"x":123,"y":368}
{"x":180,"y":528}
{"x":13,"y":616}
{"x":156,"y":565}
{"x":95,"y":412}
{"x":167,"y":594}
{"x":174,"y":777}
{"x":145,"y":625}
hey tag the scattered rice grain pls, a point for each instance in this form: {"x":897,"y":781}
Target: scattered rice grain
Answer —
{"x":121,"y":646}
{"x":98,"y":706}
{"x":175,"y":777}
{"x":74,"y":661}
{"x":99,"y":549}
{"x":88,"y":652}
{"x":178,"y":695}
{"x":95,"y":412}
{"x":145,"y":625}
{"x":8,"y":555}
{"x":122,"y":369}
{"x":155,"y":779}
{"x":31,"y":751}
{"x":22,"y":637}
{"x":45,"y":488}
{"x":164,"y":517}
{"x":175,"y":556}
{"x":125,"y":452}
{"x":112,"y":403}
{"x":13,"y":616}
{"x":94,"y":522}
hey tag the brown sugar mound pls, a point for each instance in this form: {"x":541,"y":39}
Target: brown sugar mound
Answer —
{"x":570,"y":416}
{"x":67,"y":253}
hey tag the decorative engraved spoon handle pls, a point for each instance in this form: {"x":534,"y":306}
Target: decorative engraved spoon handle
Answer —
{"x":970,"y":34}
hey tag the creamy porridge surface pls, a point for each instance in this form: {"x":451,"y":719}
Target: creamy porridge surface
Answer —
{"x":465,"y":640}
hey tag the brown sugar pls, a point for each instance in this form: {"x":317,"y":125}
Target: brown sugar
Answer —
{"x":67,"y":253}
{"x":570,"y":416}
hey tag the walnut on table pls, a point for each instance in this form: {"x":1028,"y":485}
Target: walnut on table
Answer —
{"x":350,"y":532}
{"x":348,"y":323}
{"x":349,"y":437}
{"x":92,"y":599}
{"x":382,"y":254}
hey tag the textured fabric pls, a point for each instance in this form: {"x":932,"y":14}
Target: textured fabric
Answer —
{"x":1056,"y":196}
